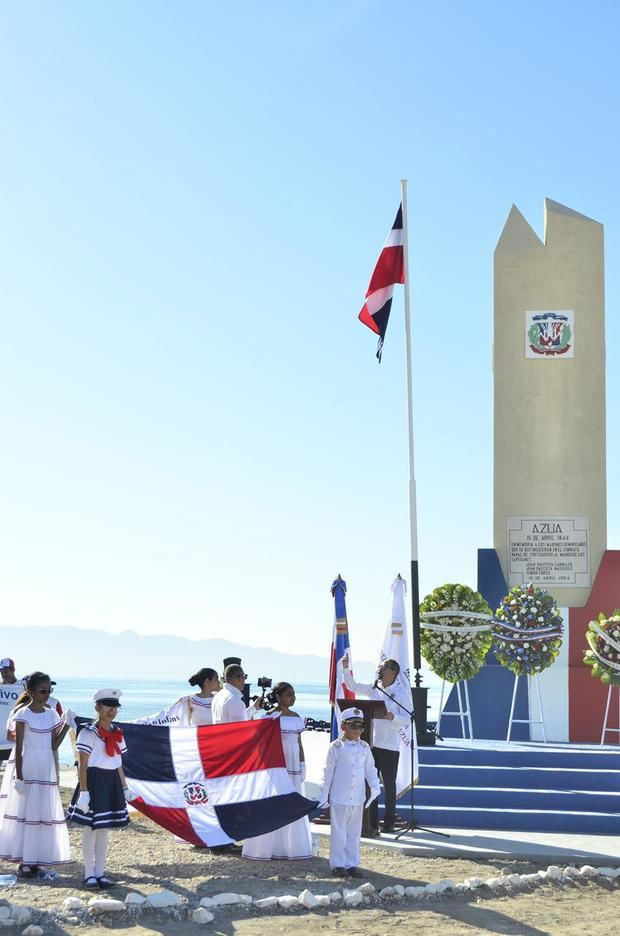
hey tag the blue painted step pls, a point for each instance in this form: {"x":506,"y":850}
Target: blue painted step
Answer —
{"x":519,"y":787}
{"x":540,"y":800}
{"x":521,"y":756}
{"x":517,"y":820}
{"x":522,"y":778}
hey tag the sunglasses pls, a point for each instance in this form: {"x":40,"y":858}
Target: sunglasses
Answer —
{"x":355,"y":724}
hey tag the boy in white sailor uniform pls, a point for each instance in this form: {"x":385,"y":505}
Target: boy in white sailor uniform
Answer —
{"x":99,"y":800}
{"x":349,"y":766}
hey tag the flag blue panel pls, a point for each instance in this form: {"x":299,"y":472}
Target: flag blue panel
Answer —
{"x":244,"y":820}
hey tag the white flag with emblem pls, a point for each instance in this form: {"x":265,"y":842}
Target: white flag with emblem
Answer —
{"x":396,"y":647}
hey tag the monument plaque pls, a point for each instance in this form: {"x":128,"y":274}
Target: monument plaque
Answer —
{"x":549,"y":551}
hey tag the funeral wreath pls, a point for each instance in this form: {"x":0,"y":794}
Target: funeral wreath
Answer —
{"x":528,"y":630}
{"x":455,"y":644}
{"x":603,"y":655}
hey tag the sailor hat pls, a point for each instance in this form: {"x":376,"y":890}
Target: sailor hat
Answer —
{"x":108,"y":697}
{"x":349,"y":713}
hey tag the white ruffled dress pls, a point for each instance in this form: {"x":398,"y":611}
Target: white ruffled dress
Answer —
{"x":34,"y":830}
{"x":293,"y":841}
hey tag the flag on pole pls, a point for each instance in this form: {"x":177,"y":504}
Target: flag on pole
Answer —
{"x":213,"y":784}
{"x":389,"y":271}
{"x":396,"y":647}
{"x":340,"y":646}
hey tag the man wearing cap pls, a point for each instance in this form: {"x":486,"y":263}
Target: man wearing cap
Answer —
{"x":385,"y":731}
{"x":349,"y":767}
{"x":10,"y":690}
{"x":228,"y":704}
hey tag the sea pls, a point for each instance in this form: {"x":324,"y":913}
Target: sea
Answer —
{"x":145,"y":697}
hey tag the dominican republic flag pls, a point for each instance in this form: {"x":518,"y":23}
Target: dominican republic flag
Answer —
{"x":390,"y":269}
{"x":214,"y":784}
{"x":340,"y":646}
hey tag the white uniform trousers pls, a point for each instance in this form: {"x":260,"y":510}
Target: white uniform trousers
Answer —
{"x":345,"y":834}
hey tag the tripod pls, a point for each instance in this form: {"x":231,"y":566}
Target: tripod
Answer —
{"x":412,"y":825}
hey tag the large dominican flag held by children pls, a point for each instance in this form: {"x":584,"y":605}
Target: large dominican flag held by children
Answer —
{"x":389,"y":271}
{"x":340,"y":646}
{"x":214,"y":784}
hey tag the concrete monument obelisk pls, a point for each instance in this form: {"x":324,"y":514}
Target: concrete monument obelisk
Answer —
{"x":550,"y":522}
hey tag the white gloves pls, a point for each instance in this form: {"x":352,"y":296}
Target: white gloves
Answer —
{"x":20,"y":786}
{"x":130,"y":793}
{"x":302,"y":768}
{"x":83,"y":801}
{"x":373,"y":795}
{"x":70,"y":716}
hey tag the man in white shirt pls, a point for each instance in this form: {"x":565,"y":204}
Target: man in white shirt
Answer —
{"x":228,"y":704}
{"x":386,"y":731}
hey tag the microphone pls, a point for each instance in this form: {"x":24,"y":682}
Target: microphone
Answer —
{"x":375,"y":684}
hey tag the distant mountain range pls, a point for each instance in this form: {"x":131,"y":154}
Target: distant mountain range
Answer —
{"x":75,"y":653}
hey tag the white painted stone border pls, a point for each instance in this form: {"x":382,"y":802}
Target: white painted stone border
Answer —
{"x":136,"y":904}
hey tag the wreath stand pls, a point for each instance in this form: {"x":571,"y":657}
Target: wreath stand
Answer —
{"x":531,"y":680}
{"x":464,"y":709}
{"x":462,"y":692}
{"x":607,"y":730}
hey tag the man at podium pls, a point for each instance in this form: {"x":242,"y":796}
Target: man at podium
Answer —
{"x":386,"y":737}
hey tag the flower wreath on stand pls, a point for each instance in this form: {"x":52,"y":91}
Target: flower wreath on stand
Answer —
{"x":455,"y":644}
{"x":528,"y":630}
{"x":603,"y":638}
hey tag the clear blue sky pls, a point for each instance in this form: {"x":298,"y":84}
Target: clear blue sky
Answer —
{"x":196,"y":435}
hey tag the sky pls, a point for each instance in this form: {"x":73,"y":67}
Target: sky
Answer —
{"x":197,"y":437}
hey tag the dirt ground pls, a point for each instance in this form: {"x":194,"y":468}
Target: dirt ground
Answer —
{"x":145,"y":858}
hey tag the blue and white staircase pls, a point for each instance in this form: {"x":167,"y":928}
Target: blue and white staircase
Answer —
{"x":518,"y":787}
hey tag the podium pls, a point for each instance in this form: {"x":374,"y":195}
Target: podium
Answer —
{"x":372,"y":708}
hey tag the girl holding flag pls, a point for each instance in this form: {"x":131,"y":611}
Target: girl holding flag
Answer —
{"x":99,"y":800}
{"x":294,"y":840}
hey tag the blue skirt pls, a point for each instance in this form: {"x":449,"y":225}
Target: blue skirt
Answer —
{"x":108,"y":809}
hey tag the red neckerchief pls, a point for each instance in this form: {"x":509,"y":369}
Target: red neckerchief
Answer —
{"x":112,"y":739}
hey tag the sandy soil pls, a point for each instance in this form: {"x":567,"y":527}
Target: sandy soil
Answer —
{"x":145,"y":858}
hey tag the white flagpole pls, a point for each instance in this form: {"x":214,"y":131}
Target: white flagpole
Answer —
{"x":413,"y":519}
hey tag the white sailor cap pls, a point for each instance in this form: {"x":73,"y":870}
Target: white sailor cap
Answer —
{"x":108,"y":697}
{"x":350,"y":713}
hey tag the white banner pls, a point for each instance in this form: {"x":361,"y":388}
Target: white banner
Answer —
{"x":396,"y":647}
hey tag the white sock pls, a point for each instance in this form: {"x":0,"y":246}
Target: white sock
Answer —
{"x":101,"y":851}
{"x":88,"y":852}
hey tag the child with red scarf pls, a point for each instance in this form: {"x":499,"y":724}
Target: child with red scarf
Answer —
{"x":99,"y":801}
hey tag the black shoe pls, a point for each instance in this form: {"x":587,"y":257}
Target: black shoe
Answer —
{"x":90,"y":882}
{"x":226,"y":850}
{"x":338,"y":872}
{"x":387,"y":827}
{"x":105,"y":882}
{"x":354,"y":872}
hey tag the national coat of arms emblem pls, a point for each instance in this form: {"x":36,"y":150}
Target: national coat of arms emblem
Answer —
{"x":195,"y":794}
{"x":549,"y":334}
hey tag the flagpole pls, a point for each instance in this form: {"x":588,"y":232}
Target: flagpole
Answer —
{"x":420,"y":701}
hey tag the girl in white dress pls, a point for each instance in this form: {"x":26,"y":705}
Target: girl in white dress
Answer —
{"x":34,"y":831}
{"x":294,"y":840}
{"x":190,"y":709}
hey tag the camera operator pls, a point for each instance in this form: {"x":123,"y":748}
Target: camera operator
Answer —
{"x":228,"y":704}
